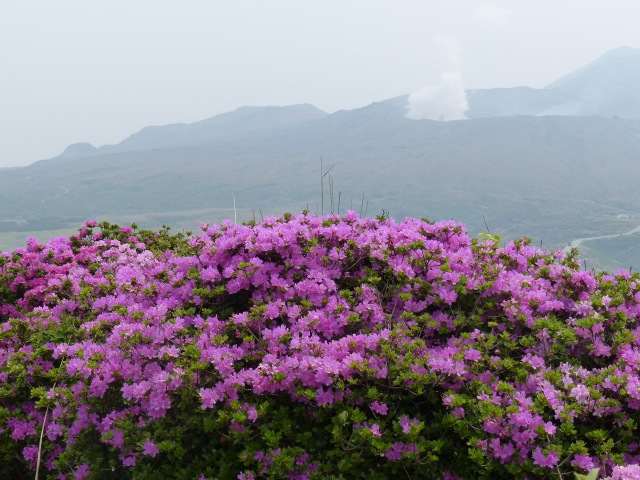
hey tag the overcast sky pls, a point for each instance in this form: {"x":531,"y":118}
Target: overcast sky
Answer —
{"x":97,"y":71}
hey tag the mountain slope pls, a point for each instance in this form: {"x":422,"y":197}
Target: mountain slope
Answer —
{"x":239,"y":123}
{"x":548,"y":177}
{"x":607,"y":87}
{"x":506,"y":102}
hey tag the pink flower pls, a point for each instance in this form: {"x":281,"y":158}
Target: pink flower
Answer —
{"x":626,"y":472}
{"x":149,"y":448}
{"x":324,"y":397}
{"x":580,"y":393}
{"x":583,"y":461}
{"x":82,"y":472}
{"x":458,"y":412}
{"x":547,"y":461}
{"x":406,"y":424}
{"x":502,"y":452}
{"x":209,"y":397}
{"x":472,"y":355}
{"x":535,"y":361}
{"x":252,"y":413}
{"x":379,"y":408}
{"x":550,"y":428}
{"x":449,"y":476}
{"x":395,"y":452}
{"x":30,"y":454}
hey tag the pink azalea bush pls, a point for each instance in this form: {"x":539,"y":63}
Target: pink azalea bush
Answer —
{"x":314,"y":348}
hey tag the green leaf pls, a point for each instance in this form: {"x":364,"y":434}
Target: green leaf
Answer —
{"x":592,"y":475}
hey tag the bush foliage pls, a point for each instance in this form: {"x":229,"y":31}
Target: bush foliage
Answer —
{"x":314,"y":348}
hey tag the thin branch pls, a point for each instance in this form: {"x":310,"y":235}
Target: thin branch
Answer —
{"x":44,"y":423}
{"x":322,"y":175}
{"x":321,"y":187}
{"x":485,"y":224}
{"x":235,"y":213}
{"x":331,"y":191}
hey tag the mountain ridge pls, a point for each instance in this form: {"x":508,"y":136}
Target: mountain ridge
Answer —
{"x":241,"y":121}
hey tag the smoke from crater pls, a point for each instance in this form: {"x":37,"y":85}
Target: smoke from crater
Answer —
{"x":446,"y":100}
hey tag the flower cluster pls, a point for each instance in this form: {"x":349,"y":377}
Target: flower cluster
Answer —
{"x":306,"y":347}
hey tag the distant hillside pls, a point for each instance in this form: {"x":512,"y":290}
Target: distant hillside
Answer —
{"x":554,"y":178}
{"x":607,"y":87}
{"x":241,"y":123}
{"x":508,"y":102}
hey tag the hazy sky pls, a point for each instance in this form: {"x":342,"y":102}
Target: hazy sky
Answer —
{"x":97,"y":71}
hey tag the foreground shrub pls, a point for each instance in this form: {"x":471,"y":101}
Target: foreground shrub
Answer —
{"x":307,"y":347}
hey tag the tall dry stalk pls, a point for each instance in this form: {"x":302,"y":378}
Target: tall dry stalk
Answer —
{"x":322,"y":175}
{"x":44,"y":423}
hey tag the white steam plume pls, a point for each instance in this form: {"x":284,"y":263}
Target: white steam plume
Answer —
{"x":446,"y":100}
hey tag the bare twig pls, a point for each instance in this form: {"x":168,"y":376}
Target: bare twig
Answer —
{"x":485,"y":224}
{"x":235,"y":213}
{"x":322,"y":175}
{"x":331,"y":191}
{"x":44,"y":423}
